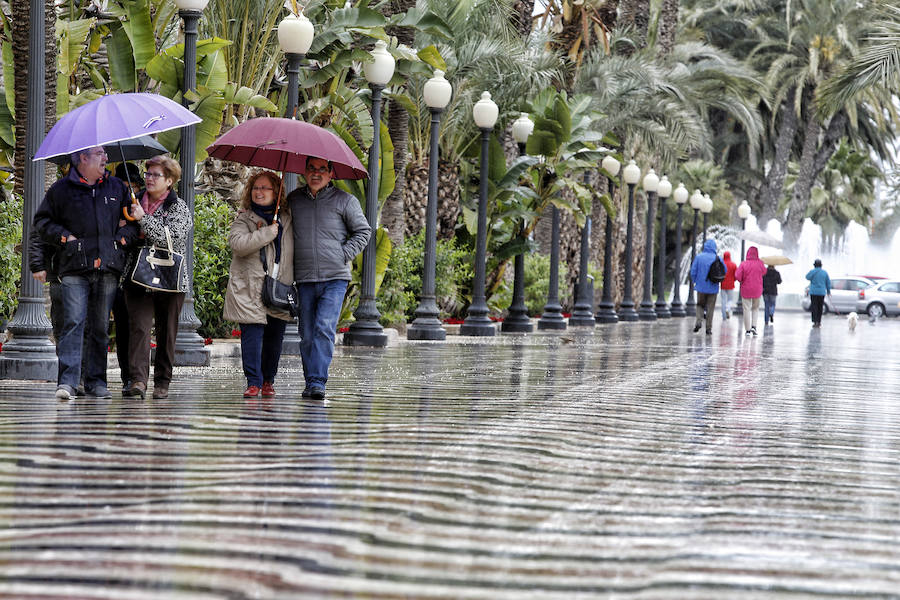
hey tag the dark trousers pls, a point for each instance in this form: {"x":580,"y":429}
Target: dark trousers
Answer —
{"x":144,"y":309}
{"x":705,"y":302}
{"x":816,"y":304}
{"x":261,"y":350}
{"x":87,"y":300}
{"x":120,"y":317}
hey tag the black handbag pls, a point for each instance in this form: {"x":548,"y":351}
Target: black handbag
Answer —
{"x":159,"y":269}
{"x":276,"y":294}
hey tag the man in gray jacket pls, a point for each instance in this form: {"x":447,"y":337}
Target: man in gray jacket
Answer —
{"x":329,"y":229}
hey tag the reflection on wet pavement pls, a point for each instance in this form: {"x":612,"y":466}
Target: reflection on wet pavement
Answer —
{"x":640,"y":461}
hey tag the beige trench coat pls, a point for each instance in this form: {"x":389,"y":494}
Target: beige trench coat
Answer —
{"x":243,"y":296}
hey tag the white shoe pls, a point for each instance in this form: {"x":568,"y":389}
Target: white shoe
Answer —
{"x":64,"y":392}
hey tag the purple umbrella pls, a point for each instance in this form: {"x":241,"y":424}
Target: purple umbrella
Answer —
{"x":113,"y":118}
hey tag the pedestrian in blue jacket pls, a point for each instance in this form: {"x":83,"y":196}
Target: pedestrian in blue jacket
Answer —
{"x":706,"y":289}
{"x":819,"y":287}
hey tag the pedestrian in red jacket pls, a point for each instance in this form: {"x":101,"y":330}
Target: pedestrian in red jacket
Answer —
{"x":726,"y":290}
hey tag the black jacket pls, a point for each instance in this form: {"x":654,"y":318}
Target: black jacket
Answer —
{"x":92,"y":214}
{"x":42,"y":255}
{"x":771,"y":279}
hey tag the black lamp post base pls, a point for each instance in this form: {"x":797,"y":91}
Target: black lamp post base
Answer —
{"x":606,"y":313}
{"x":517,"y":324}
{"x":627,"y":312}
{"x":22,"y":360}
{"x":585,"y":320}
{"x":362,"y":333}
{"x":662,"y":310}
{"x":290,"y":345}
{"x":478,"y":327}
{"x":646,"y":312}
{"x":552,"y":321}
{"x":426,"y":329}
{"x":677,"y":310}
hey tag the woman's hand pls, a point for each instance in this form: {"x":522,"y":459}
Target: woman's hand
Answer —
{"x":274,"y":229}
{"x":137,"y":211}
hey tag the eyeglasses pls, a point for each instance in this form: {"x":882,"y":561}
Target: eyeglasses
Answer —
{"x":151,"y":175}
{"x":262,"y":188}
{"x":322,"y":170}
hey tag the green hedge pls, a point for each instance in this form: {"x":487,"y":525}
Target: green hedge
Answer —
{"x":10,"y":257}
{"x":212,"y":257}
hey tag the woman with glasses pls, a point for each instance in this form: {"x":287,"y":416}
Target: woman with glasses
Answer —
{"x":259,"y":231}
{"x":159,"y":210}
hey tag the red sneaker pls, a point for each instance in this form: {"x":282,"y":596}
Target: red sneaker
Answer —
{"x":268,"y":390}
{"x":251,"y":392}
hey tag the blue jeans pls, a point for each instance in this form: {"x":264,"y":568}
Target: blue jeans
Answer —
{"x":769,"y":301}
{"x":320,"y":309}
{"x":261,"y":350}
{"x":727,"y":301}
{"x":87,"y":300}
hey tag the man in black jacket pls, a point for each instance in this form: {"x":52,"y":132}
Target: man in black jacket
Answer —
{"x":81,"y":214}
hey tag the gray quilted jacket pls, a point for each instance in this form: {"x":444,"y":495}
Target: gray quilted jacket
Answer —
{"x":329,"y":230}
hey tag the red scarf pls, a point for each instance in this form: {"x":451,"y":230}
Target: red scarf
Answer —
{"x":151,"y":208}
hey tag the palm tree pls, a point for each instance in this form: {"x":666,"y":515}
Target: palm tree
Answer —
{"x":878,"y":64}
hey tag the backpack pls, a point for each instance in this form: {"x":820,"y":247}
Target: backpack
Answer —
{"x":716,"y":272}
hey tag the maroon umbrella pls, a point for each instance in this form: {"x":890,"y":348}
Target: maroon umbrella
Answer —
{"x":284,"y":144}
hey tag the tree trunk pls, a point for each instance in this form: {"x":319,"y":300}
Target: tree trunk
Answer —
{"x":392,"y":213}
{"x":668,"y":25}
{"x":806,"y":177}
{"x":774,"y":185}
{"x":635,"y":13}
{"x":833,"y":135}
{"x":521,"y":16}
{"x":21,"y":28}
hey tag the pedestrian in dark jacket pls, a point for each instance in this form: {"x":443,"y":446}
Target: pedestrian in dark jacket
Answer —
{"x":771,"y":280}
{"x":329,"y":230}
{"x":706,"y":289}
{"x":81,"y":215}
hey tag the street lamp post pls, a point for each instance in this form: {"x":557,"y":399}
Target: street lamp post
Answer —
{"x":477,"y":322}
{"x":30,"y":354}
{"x":606,"y":310}
{"x":189,"y":347}
{"x":551,"y":317}
{"x":744,"y":214}
{"x":696,"y":201}
{"x":706,"y":209}
{"x":631,"y":174}
{"x":680,"y":196}
{"x":365,"y":329}
{"x":583,"y":314}
{"x":517,"y":319}
{"x":664,"y":190}
{"x":650,"y":184}
{"x":427,"y":325}
{"x":295,"y":36}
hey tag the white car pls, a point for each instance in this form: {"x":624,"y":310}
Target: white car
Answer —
{"x":844,"y":294}
{"x":880,"y":300}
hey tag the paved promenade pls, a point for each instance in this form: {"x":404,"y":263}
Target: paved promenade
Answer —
{"x":640,"y":461}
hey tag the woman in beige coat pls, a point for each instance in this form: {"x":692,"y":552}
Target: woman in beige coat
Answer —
{"x":262,"y":328}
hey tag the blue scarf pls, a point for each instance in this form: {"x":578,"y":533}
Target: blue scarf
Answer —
{"x":267,"y":213}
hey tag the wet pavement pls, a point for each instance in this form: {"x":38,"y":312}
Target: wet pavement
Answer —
{"x":638,"y":461}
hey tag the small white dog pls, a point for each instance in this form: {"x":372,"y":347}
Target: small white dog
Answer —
{"x":852,"y":319}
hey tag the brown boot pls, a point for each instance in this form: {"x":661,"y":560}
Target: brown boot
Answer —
{"x":160,"y":391}
{"x":138,"y":388}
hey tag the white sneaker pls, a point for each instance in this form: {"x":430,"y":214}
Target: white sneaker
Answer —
{"x":753,"y":331}
{"x":64,"y":392}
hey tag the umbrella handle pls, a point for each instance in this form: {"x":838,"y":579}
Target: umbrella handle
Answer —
{"x":125,"y":212}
